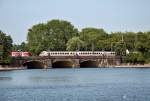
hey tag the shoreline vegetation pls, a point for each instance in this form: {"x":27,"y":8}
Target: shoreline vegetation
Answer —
{"x":9,"y":68}
{"x":62,"y":35}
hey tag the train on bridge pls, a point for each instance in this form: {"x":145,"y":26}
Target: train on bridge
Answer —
{"x":77,"y":53}
{"x":20,"y":54}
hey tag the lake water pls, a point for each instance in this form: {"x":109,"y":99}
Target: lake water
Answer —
{"x":87,"y":84}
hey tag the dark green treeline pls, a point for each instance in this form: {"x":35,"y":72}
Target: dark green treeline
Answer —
{"x":60,"y":35}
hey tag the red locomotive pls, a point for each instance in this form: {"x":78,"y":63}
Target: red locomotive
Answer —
{"x":21,"y":54}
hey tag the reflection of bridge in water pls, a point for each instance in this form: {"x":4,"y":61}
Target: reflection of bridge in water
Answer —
{"x":68,"y":59}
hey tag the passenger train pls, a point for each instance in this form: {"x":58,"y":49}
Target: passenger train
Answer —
{"x":77,"y":53}
{"x":21,"y":54}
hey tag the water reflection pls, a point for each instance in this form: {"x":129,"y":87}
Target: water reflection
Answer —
{"x":51,"y":79}
{"x":5,"y":78}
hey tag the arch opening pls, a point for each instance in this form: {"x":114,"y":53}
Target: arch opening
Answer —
{"x":34,"y":65}
{"x":62,"y":64}
{"x":89,"y":64}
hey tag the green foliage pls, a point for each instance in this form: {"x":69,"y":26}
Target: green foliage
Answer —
{"x":120,"y":48}
{"x":129,"y":39}
{"x":6,"y":46}
{"x":135,"y":57}
{"x":143,"y":42}
{"x":22,"y":47}
{"x":53,"y":35}
{"x":91,"y":36}
{"x":74,"y":44}
{"x":60,"y":35}
{"x":104,"y":45}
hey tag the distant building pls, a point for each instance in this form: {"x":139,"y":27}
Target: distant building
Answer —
{"x":21,"y":54}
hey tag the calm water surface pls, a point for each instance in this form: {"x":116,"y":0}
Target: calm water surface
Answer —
{"x":90,"y":84}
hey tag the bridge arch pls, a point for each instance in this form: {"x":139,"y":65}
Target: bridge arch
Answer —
{"x":89,"y":64}
{"x":62,"y":64}
{"x":34,"y":65}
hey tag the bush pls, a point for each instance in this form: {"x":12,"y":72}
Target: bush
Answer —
{"x":135,"y":58}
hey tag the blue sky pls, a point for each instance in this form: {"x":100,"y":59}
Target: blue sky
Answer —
{"x":17,"y":16}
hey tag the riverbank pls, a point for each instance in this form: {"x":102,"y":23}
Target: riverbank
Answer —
{"x":8,"y":68}
{"x":132,"y":66}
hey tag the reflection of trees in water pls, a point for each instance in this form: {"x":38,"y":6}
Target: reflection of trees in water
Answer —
{"x":52,"y":79}
{"x":5,"y":78}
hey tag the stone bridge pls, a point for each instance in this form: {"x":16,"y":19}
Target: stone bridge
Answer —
{"x":41,"y":62}
{"x":68,"y":59}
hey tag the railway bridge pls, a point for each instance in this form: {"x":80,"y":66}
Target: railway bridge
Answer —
{"x":69,"y":59}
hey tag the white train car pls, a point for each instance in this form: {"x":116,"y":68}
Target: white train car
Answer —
{"x":77,"y":53}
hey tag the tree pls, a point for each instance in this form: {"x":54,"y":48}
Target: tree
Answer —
{"x":103,"y":45}
{"x":142,"y":43}
{"x":135,"y":58}
{"x":6,"y":42}
{"x":20,"y":47}
{"x":130,"y":40}
{"x":91,"y":35}
{"x":53,"y":35}
{"x":120,"y":48}
{"x":74,"y":44}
